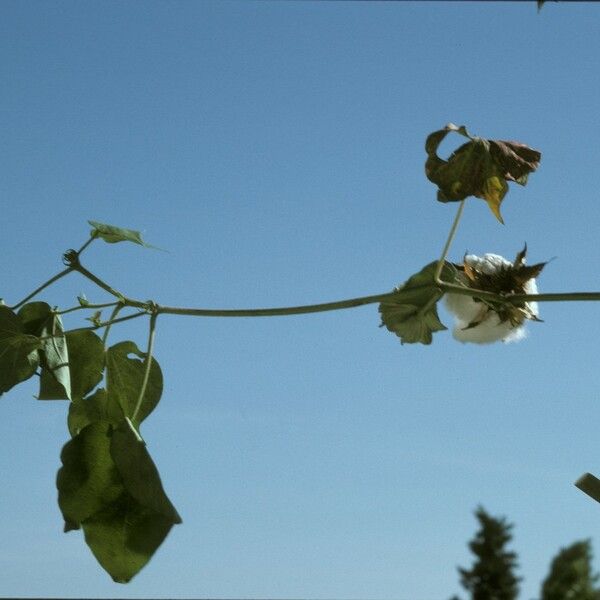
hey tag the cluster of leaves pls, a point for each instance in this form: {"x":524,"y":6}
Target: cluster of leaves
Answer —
{"x":108,"y":485}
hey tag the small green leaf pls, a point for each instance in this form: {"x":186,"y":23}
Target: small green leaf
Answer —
{"x":86,"y":361}
{"x":19,"y":356}
{"x":96,"y":318}
{"x":412,"y":312}
{"x":124,"y":378}
{"x":113,"y":234}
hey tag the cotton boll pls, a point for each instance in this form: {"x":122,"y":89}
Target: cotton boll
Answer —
{"x":476,"y":322}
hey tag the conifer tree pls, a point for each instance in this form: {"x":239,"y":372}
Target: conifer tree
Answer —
{"x":492,"y":575}
{"x":570,"y":576}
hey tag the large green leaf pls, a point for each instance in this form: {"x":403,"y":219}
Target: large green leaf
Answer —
{"x":139,"y":473}
{"x":124,"y":536}
{"x":19,"y":356}
{"x":86,"y":361}
{"x":88,"y":479}
{"x":109,"y":486}
{"x":411,"y":313}
{"x":124,"y":377}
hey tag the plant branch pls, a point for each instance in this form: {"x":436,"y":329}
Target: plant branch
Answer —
{"x":107,"y":323}
{"x":111,"y":320}
{"x":275,"y":312}
{"x":87,"y":306}
{"x":42,"y":287}
{"x":147,"y":365}
{"x":440,"y":265}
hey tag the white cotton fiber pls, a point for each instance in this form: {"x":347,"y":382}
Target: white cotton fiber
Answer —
{"x":466,"y":310}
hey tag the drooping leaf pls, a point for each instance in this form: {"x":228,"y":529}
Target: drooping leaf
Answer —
{"x":86,"y":361}
{"x":55,"y":382}
{"x":88,"y":481}
{"x":124,"y":536}
{"x":109,"y":486}
{"x":113,"y":234}
{"x":480,"y":167}
{"x":41,"y":321}
{"x":124,"y":378}
{"x":139,"y":473}
{"x":93,"y":409}
{"x":411,"y":313}
{"x":19,"y":356}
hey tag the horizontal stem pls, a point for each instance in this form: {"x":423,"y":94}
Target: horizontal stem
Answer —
{"x":86,"y":307}
{"x":558,"y":297}
{"x":275,"y":312}
{"x":106,"y":323}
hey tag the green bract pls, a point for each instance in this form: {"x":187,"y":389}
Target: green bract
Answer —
{"x":411,"y":313}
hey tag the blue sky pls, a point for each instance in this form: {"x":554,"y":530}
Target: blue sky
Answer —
{"x":276,"y":150}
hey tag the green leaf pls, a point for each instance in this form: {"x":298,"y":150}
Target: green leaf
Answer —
{"x":94,"y":408}
{"x":86,"y":361}
{"x":479,"y":168}
{"x":139,"y":473}
{"x":411,"y":313}
{"x":41,"y":321}
{"x":124,"y":378}
{"x":88,"y":480}
{"x":55,"y":382}
{"x":113,"y":234}
{"x":109,"y":486}
{"x":124,"y":536}
{"x":19,"y":358}
{"x":34,"y":316}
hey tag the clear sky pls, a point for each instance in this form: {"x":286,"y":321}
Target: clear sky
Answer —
{"x":275,"y":149}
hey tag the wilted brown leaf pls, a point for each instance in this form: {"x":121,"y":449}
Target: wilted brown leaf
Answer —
{"x":480,"y":167}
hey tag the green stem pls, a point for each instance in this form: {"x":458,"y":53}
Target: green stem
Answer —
{"x":275,"y":312}
{"x":109,"y":323}
{"x":87,"y":306}
{"x":113,"y":317}
{"x":440,"y":265}
{"x":147,"y":365}
{"x":42,"y":287}
{"x":92,"y":238}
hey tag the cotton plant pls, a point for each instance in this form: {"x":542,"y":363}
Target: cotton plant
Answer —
{"x":108,"y":486}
